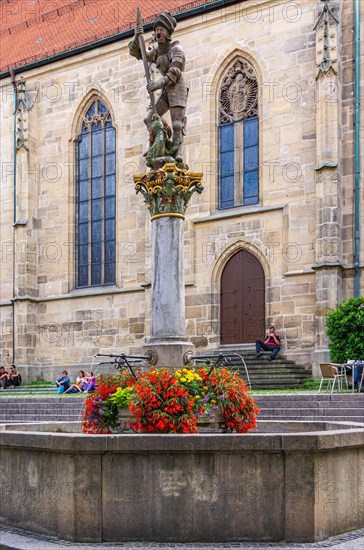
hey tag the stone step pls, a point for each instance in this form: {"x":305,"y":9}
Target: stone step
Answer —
{"x":43,"y":399}
{"x":319,"y":419}
{"x":264,"y":358}
{"x":265,"y":373}
{"x":275,"y":371}
{"x":313,"y":406}
{"x":279,"y":382}
{"x":29,"y":391}
{"x":272,"y":366}
{"x":303,"y":406}
{"x":40,"y":409}
{"x":269,"y":374}
{"x":251,"y":353}
{"x":307,"y":411}
{"x":334,"y":398}
{"x":274,"y":384}
{"x":252,"y":361}
{"x":264,"y":362}
{"x":280,"y":373}
{"x":341,"y":407}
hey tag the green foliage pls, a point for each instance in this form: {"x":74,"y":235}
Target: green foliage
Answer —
{"x":122,"y":397}
{"x":310,"y":384}
{"x":345,"y":330}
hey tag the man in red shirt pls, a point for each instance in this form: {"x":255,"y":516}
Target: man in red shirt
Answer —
{"x":271,"y":343}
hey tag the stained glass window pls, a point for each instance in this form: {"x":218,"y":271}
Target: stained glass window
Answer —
{"x":238,"y":137}
{"x":96,"y":201}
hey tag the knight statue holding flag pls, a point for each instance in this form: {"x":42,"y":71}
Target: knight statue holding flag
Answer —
{"x":169,"y":59}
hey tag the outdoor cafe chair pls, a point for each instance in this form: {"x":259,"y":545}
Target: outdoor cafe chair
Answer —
{"x":331,"y":374}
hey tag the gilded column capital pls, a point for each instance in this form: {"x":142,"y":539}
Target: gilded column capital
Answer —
{"x":168,"y":190}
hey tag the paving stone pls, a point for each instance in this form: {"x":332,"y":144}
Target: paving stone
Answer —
{"x":13,"y":538}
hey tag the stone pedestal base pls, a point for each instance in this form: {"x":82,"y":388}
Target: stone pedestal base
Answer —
{"x":169,"y":354}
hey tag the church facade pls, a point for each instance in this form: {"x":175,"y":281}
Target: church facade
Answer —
{"x":273,"y":238}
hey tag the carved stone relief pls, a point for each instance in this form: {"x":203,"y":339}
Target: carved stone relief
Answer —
{"x":238,"y":98}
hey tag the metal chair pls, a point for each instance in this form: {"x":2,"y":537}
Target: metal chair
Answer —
{"x":331,"y":374}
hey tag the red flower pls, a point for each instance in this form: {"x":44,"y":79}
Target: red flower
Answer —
{"x":160,"y":405}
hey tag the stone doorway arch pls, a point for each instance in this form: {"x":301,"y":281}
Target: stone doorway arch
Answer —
{"x":242,"y":299}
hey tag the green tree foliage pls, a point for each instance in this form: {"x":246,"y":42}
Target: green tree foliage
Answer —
{"x":345,"y":330}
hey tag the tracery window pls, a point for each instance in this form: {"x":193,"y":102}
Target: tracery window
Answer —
{"x":96,"y":184}
{"x":238,"y":136}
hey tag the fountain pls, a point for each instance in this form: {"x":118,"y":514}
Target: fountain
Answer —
{"x":287,"y":481}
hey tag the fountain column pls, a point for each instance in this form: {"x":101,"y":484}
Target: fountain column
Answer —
{"x":166,"y":192}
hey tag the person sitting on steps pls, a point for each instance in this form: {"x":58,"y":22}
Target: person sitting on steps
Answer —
{"x":77,"y":387}
{"x":4,"y":378}
{"x":271,"y":343}
{"x":90,"y":382}
{"x":14,"y":377}
{"x":63,"y":382}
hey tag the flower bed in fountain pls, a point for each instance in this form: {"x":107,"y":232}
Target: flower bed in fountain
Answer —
{"x":163,"y":401}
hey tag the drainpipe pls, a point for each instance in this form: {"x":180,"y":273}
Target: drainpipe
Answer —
{"x":356,"y":148}
{"x":12,"y":75}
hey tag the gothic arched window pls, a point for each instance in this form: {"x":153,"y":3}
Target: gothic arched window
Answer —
{"x":96,"y":183}
{"x":238,"y":136}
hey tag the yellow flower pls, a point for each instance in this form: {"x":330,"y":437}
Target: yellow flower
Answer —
{"x":183,"y":379}
{"x":213,"y":401}
{"x":197,"y":397}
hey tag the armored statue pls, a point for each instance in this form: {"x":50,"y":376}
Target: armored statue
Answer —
{"x":169,"y":59}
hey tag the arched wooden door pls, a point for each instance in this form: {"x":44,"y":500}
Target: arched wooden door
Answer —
{"x":242,"y":314}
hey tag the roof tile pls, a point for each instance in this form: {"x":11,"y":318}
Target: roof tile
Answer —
{"x":63,"y":27}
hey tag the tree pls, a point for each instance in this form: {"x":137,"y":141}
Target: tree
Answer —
{"x":345,"y":330}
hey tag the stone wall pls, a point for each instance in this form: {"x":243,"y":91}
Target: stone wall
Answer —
{"x":301,"y":230}
{"x":302,"y":484}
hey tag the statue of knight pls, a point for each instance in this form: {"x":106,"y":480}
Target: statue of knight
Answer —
{"x":169,"y":59}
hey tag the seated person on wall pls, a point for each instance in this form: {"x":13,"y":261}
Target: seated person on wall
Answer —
{"x":14,"y":377}
{"x":63,"y":383}
{"x":4,"y":381}
{"x":77,"y":387}
{"x":271,"y":343}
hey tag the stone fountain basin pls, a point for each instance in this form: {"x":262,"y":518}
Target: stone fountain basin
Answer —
{"x":287,"y":481}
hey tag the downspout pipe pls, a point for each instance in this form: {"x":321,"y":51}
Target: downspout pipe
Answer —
{"x":15,"y":90}
{"x":357,"y":149}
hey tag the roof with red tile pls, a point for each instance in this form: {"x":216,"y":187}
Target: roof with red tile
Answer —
{"x":33,"y":30}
